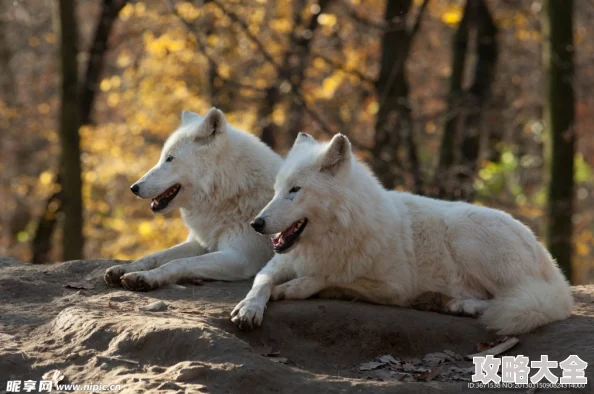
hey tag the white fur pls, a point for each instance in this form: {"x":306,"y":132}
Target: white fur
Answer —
{"x":227,"y":176}
{"x":390,"y":247}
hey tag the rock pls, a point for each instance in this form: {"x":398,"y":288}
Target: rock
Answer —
{"x":157,"y":306}
{"x":323,"y":339}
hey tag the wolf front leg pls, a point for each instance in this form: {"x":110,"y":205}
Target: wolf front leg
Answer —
{"x":186,"y":249}
{"x":250,"y":312}
{"x":376,"y":291}
{"x":299,"y":288}
{"x":227,"y":265}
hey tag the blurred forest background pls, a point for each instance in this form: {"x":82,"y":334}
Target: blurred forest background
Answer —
{"x":482,"y":100}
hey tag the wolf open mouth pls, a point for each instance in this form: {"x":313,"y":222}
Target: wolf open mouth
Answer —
{"x":285,"y":240}
{"x":161,"y":201}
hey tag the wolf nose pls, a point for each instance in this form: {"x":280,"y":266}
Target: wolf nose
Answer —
{"x":134,"y":188}
{"x":258,"y":224}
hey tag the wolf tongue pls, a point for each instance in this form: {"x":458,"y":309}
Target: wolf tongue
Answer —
{"x":289,"y":231}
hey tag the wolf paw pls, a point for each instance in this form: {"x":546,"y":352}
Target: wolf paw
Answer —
{"x":113,"y":274}
{"x":247,"y":315}
{"x":467,"y":307}
{"x":138,"y":281}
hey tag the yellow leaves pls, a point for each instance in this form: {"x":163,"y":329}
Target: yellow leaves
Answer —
{"x":139,"y":9}
{"x":124,"y":59}
{"x":583,"y":243}
{"x":327,"y":20}
{"x":188,"y":11}
{"x":582,"y":249}
{"x":528,"y":35}
{"x":281,"y":25}
{"x":166,"y":43}
{"x":34,"y":41}
{"x":452,"y":16}
{"x":46,"y":178}
{"x":50,"y":38}
{"x":330,"y":85}
{"x":373,"y":107}
{"x":90,"y":176}
{"x":44,"y":108}
{"x":278,"y":115}
{"x":113,"y":99}
{"x":319,"y":63}
{"x":224,"y":70}
{"x":145,"y":229}
{"x":126,"y":12}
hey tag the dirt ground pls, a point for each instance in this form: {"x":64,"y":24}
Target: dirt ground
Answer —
{"x":96,"y":334}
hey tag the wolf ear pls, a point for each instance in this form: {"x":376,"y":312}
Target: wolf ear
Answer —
{"x":303,"y":137}
{"x":189,"y":117}
{"x":214,"y":123}
{"x":336,"y":155}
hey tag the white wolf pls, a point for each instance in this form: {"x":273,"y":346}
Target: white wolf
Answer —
{"x":220,"y":178}
{"x":338,"y":229}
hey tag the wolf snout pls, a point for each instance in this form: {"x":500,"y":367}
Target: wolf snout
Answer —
{"x":258,"y":224}
{"x":135,"y":188}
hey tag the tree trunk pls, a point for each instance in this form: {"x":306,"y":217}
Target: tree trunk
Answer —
{"x":293,"y":68}
{"x":392,"y":92}
{"x":7,"y":81}
{"x":70,"y":165}
{"x":558,"y":67}
{"x":265,"y":116}
{"x":464,"y":127}
{"x":109,"y":13}
{"x":443,"y":175}
{"x":476,"y":100}
{"x":296,"y":63}
{"x":41,"y":243}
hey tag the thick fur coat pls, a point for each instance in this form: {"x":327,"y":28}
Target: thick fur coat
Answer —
{"x":388,"y":247}
{"x":220,"y":178}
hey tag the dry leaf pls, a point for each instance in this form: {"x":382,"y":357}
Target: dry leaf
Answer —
{"x":371,"y":365}
{"x":55,"y":375}
{"x":433,"y":359}
{"x":502,"y":347}
{"x":79,"y":286}
{"x":386,"y":358}
{"x":157,"y":306}
{"x":430,"y":375}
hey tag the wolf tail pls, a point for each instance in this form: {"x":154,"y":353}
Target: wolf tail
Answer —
{"x":532,"y":302}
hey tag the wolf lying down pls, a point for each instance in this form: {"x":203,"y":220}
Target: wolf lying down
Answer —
{"x":335,"y":228}
{"x":220,"y":178}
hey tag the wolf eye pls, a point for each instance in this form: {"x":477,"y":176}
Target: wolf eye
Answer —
{"x":295,"y":189}
{"x":169,"y":159}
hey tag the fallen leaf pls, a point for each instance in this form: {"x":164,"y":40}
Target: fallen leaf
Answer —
{"x":119,"y":359}
{"x":79,"y":286}
{"x":429,"y":375}
{"x":502,"y":347}
{"x":386,"y":358}
{"x":55,"y":375}
{"x":453,"y":354}
{"x":191,"y":373}
{"x":156,"y":306}
{"x":371,"y":365}
{"x":435,"y":358}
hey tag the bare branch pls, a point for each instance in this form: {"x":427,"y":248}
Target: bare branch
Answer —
{"x":337,"y":66}
{"x":294,"y":88}
{"x":204,"y":50}
{"x":397,"y":67}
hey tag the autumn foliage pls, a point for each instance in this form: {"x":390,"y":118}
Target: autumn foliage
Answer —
{"x":165,"y":56}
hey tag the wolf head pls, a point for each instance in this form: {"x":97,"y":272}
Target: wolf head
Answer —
{"x":185,"y":161}
{"x":307,"y":191}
